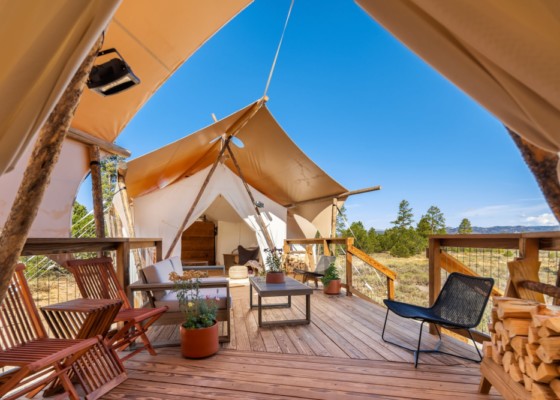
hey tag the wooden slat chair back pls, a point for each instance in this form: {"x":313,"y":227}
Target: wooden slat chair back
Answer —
{"x":96,"y":278}
{"x":33,"y":360}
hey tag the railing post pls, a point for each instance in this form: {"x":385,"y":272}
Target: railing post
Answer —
{"x":349,"y":242}
{"x":390,"y":289}
{"x":434,"y":254}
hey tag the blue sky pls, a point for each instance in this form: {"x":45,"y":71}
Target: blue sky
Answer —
{"x":361,"y":105}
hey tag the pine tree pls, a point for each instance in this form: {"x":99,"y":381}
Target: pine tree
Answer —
{"x":465,"y":226}
{"x":435,"y":220}
{"x":341,"y":221}
{"x":404,"y":217}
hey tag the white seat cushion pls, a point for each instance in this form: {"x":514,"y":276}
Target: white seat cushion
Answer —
{"x":159,"y":273}
{"x":177,"y":264}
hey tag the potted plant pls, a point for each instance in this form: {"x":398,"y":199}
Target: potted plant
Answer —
{"x":331,"y":280}
{"x":274,"y":270}
{"x":199,"y":331}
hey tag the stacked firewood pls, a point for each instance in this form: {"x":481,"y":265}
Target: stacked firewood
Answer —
{"x":526,"y":342}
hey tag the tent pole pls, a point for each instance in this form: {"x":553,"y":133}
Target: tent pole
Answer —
{"x":97,"y":191}
{"x":230,"y":133}
{"x":121,"y":173}
{"x":333,"y":222}
{"x":260,"y":220}
{"x":38,"y":171}
{"x":338,"y":196}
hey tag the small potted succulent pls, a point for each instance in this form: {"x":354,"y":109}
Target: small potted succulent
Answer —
{"x":331,"y":280}
{"x":274,"y":267}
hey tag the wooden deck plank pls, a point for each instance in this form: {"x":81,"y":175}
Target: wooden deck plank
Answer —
{"x":340,"y":355}
{"x":276,"y":376}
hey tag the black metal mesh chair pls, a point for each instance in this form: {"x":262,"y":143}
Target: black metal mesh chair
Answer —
{"x":460,"y":305}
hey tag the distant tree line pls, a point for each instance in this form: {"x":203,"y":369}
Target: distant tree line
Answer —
{"x":403,"y":239}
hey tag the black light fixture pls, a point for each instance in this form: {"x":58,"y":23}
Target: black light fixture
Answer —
{"x":112,"y":76}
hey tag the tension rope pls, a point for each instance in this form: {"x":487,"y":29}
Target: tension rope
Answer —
{"x":278,"y":49}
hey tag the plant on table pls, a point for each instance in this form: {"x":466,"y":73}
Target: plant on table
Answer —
{"x":274,"y":260}
{"x":274,"y":266}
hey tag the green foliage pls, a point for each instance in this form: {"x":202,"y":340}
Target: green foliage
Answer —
{"x":341,"y":221}
{"x":465,"y":226}
{"x":331,"y":274}
{"x":198,"y":311}
{"x":274,"y":260}
{"x":83,"y":224}
{"x":404,"y":217}
{"x":436,"y":220}
{"x":109,"y":166}
{"x":423,"y":228}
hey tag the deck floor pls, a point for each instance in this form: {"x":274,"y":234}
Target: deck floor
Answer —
{"x":340,"y":355}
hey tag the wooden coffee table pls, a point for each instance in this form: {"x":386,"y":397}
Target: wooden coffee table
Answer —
{"x":289,"y":288}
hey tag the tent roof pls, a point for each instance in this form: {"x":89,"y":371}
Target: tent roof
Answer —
{"x":154,"y":39}
{"x":503,"y":53}
{"x":270,"y":162}
{"x":45,"y":43}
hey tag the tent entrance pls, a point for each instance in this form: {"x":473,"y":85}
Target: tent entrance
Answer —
{"x":198,"y":244}
{"x":231,"y":231}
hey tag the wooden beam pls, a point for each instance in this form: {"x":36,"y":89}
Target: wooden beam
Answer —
{"x":539,"y":287}
{"x":39,"y":168}
{"x":97,"y":191}
{"x":230,"y":133}
{"x":343,"y":195}
{"x":259,"y":218}
{"x":85,"y":138}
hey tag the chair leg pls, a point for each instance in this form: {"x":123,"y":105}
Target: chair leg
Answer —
{"x":417,"y":350}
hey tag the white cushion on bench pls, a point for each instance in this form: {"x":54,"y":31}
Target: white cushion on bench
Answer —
{"x":159,"y":273}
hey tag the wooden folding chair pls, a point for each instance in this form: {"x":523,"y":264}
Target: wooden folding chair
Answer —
{"x":32,"y":360}
{"x":96,"y":279}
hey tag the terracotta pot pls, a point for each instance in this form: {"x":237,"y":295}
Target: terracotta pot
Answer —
{"x":333,"y":287}
{"x":199,"y":343}
{"x":275,"y":277}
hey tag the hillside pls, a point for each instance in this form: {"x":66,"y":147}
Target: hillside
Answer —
{"x":508,"y":229}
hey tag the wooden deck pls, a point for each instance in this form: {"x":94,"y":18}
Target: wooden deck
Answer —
{"x":339,"y":356}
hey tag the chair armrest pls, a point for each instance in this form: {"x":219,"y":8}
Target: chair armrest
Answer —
{"x":143,"y":287}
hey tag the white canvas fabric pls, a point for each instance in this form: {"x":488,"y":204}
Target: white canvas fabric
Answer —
{"x":54,"y":218}
{"x":160,"y":213}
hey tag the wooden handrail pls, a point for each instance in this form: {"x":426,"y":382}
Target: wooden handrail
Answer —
{"x":389,"y":273}
{"x":372,"y":262}
{"x":351,"y":251}
{"x":451,"y":264}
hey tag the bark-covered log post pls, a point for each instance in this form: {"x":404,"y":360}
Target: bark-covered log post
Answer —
{"x":97,"y":191}
{"x":543,"y":165}
{"x":37,"y":174}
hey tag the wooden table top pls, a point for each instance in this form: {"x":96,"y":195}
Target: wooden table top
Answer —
{"x":288,"y":288}
{"x":81,"y":305}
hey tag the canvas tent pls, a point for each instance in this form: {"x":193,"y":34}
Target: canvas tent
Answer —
{"x":504,"y":53}
{"x":163,"y":184}
{"x":52,"y":39}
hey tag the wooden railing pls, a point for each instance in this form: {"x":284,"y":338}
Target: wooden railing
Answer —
{"x":530,"y":248}
{"x":121,"y":246}
{"x":351,"y":251}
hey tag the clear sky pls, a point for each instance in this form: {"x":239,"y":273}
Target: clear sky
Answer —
{"x":361,"y":105}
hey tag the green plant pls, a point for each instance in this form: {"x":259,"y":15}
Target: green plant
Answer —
{"x":274,"y":260}
{"x":199,"y":311}
{"x":331,"y":274}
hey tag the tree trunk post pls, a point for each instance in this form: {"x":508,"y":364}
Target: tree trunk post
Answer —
{"x":543,"y":165}
{"x":97,"y":191}
{"x":39,"y":168}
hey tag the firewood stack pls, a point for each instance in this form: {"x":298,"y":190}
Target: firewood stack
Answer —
{"x":526,"y":343}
